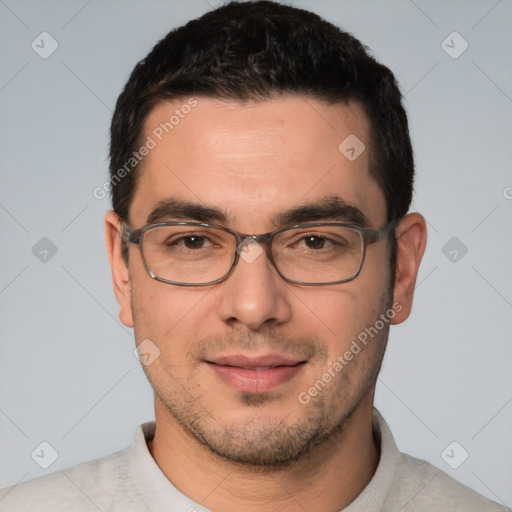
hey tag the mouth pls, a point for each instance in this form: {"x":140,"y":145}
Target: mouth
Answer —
{"x":255,"y":374}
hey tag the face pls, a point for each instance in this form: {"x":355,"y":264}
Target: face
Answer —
{"x":240,"y":360}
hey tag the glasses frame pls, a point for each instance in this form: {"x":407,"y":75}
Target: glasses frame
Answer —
{"x":368,"y":236}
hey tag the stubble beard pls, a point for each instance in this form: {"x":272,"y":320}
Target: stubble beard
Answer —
{"x":264,"y":442}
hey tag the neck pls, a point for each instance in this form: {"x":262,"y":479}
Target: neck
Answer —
{"x":337,"y":471}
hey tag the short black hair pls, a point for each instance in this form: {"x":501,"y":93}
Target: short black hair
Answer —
{"x":258,"y":50}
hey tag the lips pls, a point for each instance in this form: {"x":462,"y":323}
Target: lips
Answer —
{"x":251,"y":363}
{"x":255,"y":374}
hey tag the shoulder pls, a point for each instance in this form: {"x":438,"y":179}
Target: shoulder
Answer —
{"x":419,"y":486}
{"x":88,"y":486}
{"x":408,"y":484}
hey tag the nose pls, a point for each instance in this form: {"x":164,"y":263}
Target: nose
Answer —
{"x":254,"y":295}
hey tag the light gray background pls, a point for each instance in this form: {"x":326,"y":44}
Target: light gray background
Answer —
{"x":68,"y":374}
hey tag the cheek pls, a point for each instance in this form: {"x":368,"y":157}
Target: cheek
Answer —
{"x":165,"y":313}
{"x":343,"y":313}
{"x":176,"y":319}
{"x":350,"y":308}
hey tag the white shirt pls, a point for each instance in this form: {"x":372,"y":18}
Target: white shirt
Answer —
{"x":130,"y":480}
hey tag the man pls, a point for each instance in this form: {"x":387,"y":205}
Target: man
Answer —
{"x":260,"y":246}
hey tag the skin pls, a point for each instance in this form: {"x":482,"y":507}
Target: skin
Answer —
{"x":226,"y":449}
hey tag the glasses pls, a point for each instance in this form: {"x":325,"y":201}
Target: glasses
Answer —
{"x":197,"y":254}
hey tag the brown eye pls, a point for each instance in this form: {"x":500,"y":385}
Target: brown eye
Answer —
{"x":314,"y":242}
{"x":193,"y":242}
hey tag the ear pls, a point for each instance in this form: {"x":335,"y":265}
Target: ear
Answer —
{"x":411,"y":234}
{"x":118,"y":267}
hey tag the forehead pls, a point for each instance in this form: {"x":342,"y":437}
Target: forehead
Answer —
{"x":254,"y":160}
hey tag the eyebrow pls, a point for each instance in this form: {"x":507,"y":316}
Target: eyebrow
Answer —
{"x":329,"y":208}
{"x":180,"y":209}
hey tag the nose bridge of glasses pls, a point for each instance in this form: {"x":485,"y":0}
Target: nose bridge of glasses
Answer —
{"x":250,"y":247}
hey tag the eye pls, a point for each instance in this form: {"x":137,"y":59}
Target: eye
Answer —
{"x":314,"y":241}
{"x":193,"y":241}
{"x":317,"y":242}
